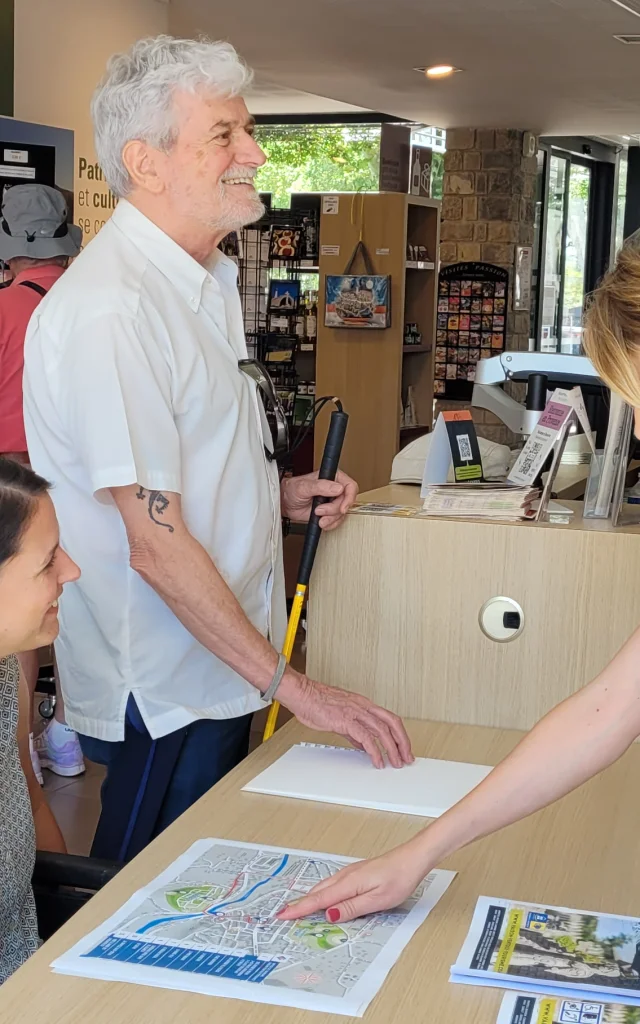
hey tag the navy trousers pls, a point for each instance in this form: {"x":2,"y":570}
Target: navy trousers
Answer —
{"x":150,"y":783}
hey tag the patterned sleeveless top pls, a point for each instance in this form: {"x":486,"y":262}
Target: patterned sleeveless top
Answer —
{"x":18,"y":925}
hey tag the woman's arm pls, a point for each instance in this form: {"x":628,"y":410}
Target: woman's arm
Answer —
{"x":575,"y":741}
{"x":48,"y":834}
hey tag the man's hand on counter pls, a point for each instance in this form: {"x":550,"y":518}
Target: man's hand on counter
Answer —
{"x":364,"y":724}
{"x":298,"y":492}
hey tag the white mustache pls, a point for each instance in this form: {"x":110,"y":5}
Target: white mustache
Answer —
{"x":239,"y":172}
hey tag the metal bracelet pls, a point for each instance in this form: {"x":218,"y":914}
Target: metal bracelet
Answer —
{"x":270,"y":693}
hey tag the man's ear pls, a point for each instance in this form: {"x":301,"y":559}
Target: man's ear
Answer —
{"x":143,"y":164}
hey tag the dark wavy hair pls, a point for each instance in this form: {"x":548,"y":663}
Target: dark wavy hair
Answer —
{"x":20,"y":489}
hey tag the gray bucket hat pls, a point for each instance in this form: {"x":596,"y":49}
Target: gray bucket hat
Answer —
{"x":33,"y":223}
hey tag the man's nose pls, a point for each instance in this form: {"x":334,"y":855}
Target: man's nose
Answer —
{"x":248,"y":152}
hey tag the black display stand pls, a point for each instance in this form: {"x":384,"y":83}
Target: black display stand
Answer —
{"x":272,"y":334}
{"x":471,"y":324}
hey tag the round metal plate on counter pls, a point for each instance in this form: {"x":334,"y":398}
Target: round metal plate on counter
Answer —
{"x":501,"y":619}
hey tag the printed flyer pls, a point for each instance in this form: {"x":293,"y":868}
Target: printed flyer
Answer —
{"x":552,"y":950}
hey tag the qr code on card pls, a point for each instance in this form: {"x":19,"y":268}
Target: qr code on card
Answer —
{"x":464,"y":446}
{"x":531,"y":457}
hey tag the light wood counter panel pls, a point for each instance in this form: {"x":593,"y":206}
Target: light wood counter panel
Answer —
{"x":394,"y":606}
{"x":582,"y":852}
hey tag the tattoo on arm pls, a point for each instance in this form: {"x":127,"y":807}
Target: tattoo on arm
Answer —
{"x":157,"y":505}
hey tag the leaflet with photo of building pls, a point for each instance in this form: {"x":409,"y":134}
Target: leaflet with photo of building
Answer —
{"x":553,"y":951}
{"x":537,"y":1009}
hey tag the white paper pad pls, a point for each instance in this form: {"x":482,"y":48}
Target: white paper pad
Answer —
{"x":207,"y":924}
{"x":341,"y":775}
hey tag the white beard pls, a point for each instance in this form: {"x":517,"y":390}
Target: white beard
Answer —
{"x":236,"y":206}
{"x":238,"y":210}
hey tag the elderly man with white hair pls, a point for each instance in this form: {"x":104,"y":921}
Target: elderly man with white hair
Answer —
{"x":140,"y":411}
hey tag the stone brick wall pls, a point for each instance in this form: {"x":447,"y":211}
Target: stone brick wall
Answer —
{"x":488,"y":209}
{"x":488,"y":206}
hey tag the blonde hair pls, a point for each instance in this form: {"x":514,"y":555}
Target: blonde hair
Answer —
{"x":611,"y":337}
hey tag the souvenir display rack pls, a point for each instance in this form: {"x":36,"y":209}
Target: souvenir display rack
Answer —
{"x":470,"y":325}
{"x":281,"y":247}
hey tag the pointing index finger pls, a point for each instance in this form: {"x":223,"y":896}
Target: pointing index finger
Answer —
{"x":321,"y":897}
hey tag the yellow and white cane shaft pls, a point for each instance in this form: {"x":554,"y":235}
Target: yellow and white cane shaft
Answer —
{"x":287,"y":650}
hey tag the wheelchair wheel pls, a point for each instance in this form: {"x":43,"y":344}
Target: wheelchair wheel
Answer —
{"x":46,"y":707}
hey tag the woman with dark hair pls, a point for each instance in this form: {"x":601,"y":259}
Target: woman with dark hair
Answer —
{"x":33,"y":571}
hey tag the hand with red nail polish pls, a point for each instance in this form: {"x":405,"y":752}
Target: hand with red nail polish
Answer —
{"x":364,"y":887}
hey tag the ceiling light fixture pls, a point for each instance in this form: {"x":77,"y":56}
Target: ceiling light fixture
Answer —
{"x":440,"y":70}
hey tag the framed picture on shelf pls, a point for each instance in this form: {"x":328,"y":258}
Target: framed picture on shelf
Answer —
{"x":284,"y":296}
{"x":285,"y":243}
{"x":357,"y":301}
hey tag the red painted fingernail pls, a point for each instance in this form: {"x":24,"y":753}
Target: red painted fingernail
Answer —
{"x":333,"y":914}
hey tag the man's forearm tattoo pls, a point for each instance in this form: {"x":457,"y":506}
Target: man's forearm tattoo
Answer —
{"x":157,"y":504}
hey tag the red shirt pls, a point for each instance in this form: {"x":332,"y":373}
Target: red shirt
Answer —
{"x":17,"y":303}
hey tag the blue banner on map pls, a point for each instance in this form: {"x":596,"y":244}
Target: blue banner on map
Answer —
{"x":174,"y":958}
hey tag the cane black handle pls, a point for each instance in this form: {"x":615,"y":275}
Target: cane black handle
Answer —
{"x":328,"y":469}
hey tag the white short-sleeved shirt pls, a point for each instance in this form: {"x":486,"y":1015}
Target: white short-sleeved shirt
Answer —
{"x":131,"y":376}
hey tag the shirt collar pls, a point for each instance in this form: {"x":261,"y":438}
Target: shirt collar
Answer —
{"x":185,"y":274}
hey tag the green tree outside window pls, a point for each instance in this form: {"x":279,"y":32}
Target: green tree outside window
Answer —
{"x":324,"y":158}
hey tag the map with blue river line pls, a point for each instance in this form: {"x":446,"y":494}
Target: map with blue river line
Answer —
{"x":211,"y":925}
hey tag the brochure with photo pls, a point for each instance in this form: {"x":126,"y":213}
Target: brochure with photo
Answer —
{"x":553,"y":951}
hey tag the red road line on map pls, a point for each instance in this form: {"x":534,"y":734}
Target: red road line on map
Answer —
{"x":227,"y":894}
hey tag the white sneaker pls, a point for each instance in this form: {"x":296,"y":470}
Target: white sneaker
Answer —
{"x":35,"y":760}
{"x":59,"y":750}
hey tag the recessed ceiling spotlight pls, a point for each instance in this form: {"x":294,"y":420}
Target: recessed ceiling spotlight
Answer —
{"x":438,"y":70}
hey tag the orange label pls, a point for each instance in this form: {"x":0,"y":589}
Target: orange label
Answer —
{"x":456,"y":416}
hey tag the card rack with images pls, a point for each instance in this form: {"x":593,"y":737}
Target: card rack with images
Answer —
{"x":471,"y":321}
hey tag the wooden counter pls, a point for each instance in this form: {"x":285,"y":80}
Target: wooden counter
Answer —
{"x":580,"y":853}
{"x":394,"y":611}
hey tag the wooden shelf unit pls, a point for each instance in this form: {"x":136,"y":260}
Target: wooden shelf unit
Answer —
{"x":370,"y":370}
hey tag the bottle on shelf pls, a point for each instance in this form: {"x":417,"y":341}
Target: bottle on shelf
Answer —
{"x":415,"y":177}
{"x":310,"y":238}
{"x":412,"y":335}
{"x":311,"y":317}
{"x":299,"y":325}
